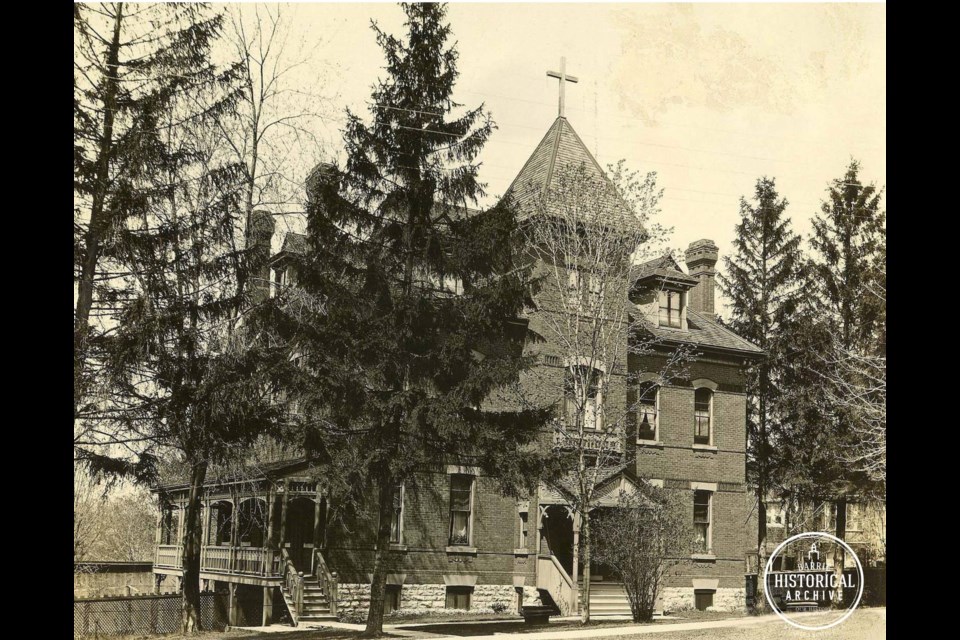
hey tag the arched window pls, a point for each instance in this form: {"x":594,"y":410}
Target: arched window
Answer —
{"x":702,"y":415}
{"x":582,"y":396}
{"x":647,"y":410}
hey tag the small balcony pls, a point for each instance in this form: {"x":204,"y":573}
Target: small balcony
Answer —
{"x":600,"y":441}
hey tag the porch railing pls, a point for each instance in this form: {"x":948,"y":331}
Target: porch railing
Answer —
{"x":293,"y":583}
{"x":552,"y":577}
{"x":259,"y":561}
{"x":327,"y":580}
{"x":169,"y":555}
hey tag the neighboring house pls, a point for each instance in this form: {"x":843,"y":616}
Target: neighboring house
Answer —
{"x":866,"y":530}
{"x":460,"y":543}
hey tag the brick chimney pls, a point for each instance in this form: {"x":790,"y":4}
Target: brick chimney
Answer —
{"x":259,"y":236}
{"x":701,"y":257}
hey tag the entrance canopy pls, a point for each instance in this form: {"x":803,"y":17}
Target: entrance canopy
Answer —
{"x":611,"y":484}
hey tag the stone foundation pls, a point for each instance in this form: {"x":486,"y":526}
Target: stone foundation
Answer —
{"x":724,"y":599}
{"x":354,"y":599}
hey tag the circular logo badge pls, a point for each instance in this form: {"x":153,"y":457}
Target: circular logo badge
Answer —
{"x":804,"y":583}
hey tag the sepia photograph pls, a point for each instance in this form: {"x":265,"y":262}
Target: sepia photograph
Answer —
{"x":543,"y":320}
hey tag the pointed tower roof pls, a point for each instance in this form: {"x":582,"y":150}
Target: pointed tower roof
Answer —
{"x":560,"y":147}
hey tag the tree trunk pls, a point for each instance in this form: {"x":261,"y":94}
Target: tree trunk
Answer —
{"x":96,"y":225}
{"x":378,"y":584}
{"x":192,"y":531}
{"x":585,"y":541}
{"x":838,"y":552}
{"x":759,"y":600}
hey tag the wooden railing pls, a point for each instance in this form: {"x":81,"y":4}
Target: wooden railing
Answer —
{"x":169,"y":555}
{"x":611,"y":442}
{"x":260,"y":561}
{"x":552,"y":577}
{"x":293,"y":582}
{"x":327,"y":580}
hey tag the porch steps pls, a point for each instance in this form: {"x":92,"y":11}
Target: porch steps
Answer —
{"x":608,"y":599}
{"x":316,"y":607}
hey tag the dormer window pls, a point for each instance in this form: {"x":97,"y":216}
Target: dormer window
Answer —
{"x":278,"y":280}
{"x":671,"y":309}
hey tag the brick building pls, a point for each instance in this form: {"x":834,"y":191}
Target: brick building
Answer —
{"x":459,"y":543}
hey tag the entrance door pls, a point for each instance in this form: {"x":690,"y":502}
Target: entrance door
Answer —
{"x":301,"y":515}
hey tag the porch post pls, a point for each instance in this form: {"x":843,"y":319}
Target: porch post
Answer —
{"x":269,"y":551}
{"x":180,"y":518}
{"x":234,"y":527}
{"x":316,"y":520}
{"x":232,"y":604}
{"x":283,"y":513}
{"x":267,"y":605}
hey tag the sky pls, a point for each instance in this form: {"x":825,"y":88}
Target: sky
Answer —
{"x":710,"y":96}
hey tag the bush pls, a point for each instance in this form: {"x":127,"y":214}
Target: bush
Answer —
{"x":499,"y":606}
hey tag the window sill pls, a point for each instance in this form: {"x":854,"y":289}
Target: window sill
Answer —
{"x":703,"y":557}
{"x":522,"y":552}
{"x":704,"y":447}
{"x":397,"y":547}
{"x":458,"y":549}
{"x":650,"y":443}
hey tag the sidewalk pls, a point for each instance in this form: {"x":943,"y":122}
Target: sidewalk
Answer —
{"x":548,"y":634}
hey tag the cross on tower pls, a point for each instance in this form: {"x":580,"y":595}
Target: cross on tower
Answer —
{"x":562,"y":77}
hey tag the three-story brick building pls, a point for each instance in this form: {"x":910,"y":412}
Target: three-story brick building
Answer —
{"x":457,"y":541}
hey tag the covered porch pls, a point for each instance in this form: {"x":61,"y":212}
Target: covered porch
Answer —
{"x":265,"y":531}
{"x":559,"y":570}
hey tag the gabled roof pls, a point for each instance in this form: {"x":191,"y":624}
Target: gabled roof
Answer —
{"x":665,"y":269}
{"x":561,"y":147}
{"x":704,"y":331}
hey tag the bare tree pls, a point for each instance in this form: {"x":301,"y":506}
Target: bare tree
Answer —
{"x":275,"y":134}
{"x":641,"y":539}
{"x":590,"y":236}
{"x":89,"y":507}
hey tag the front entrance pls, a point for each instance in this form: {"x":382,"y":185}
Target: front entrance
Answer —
{"x":301,"y":520}
{"x":557,"y":538}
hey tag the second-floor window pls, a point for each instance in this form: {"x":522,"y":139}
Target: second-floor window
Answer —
{"x":582,"y":397}
{"x":702,"y":413}
{"x":701,"y":521}
{"x":396,"y":519}
{"x":671,"y":306}
{"x":649,"y":396}
{"x":461,"y":509}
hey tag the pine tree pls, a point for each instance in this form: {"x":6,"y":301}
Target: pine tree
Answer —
{"x":763,"y":280}
{"x":133,"y":64}
{"x":161,"y":252}
{"x":842,"y":314}
{"x":414,"y":297}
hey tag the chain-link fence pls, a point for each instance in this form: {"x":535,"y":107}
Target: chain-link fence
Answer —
{"x":143,"y":614}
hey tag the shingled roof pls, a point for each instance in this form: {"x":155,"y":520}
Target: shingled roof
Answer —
{"x":560,"y":148}
{"x":703,"y":330}
{"x":666,"y":269}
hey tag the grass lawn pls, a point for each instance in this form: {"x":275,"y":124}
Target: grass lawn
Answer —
{"x":515,"y":624}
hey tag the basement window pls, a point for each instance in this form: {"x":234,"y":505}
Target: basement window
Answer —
{"x":391,"y":598}
{"x":703,"y":599}
{"x":459,"y":598}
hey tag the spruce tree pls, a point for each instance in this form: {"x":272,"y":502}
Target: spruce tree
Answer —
{"x":763,"y":281}
{"x":133,"y":65}
{"x":413,"y":296}
{"x":841,"y":313}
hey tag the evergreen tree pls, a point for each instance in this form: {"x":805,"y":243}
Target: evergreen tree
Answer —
{"x":763,"y":279}
{"x":413,"y":298}
{"x":841,"y":314}
{"x":161,"y":252}
{"x":133,"y":65}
